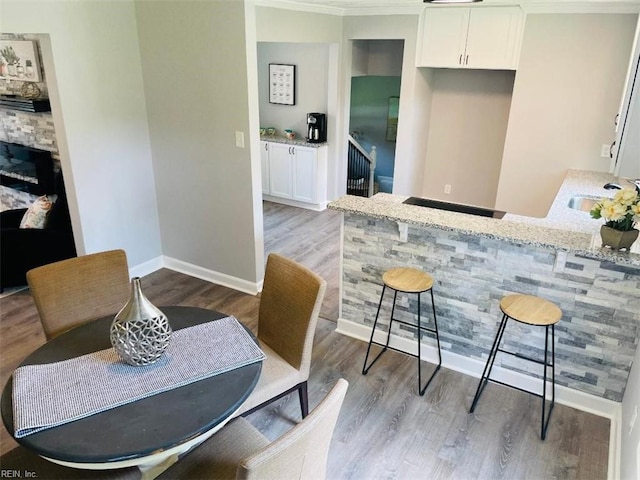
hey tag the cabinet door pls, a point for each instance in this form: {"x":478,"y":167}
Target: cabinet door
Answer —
{"x":305,"y":176}
{"x":493,"y":41}
{"x":443,"y":37}
{"x":264,"y":162}
{"x":280,"y":170}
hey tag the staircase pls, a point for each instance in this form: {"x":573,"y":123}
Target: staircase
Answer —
{"x":360,"y":169}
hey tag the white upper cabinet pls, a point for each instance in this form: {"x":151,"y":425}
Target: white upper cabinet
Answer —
{"x":480,"y":37}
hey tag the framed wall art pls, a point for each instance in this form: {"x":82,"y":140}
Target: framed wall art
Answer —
{"x":282,"y":84}
{"x":19,"y":60}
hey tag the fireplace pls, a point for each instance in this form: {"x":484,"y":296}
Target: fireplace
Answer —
{"x":26,"y":169}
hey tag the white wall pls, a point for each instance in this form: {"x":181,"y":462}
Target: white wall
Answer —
{"x":565,"y":98}
{"x":95,"y":86}
{"x":194,"y":61}
{"x":630,"y":450}
{"x":312,"y":62}
{"x":469,"y":115}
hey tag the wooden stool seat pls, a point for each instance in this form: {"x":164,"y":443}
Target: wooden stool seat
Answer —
{"x":408,"y":280}
{"x":530,"y":309}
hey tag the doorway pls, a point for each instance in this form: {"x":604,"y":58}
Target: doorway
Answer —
{"x":376,"y":75}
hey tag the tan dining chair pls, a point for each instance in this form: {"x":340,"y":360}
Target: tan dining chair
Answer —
{"x":288,"y":313}
{"x":70,"y":292}
{"x":239,"y":451}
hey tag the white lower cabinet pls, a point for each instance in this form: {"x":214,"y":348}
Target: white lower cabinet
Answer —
{"x":294,"y":174}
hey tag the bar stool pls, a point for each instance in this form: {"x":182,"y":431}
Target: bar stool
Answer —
{"x":406,"y":280}
{"x":535,"y":311}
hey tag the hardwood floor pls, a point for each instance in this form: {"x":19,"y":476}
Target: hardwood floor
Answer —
{"x":385,"y":429}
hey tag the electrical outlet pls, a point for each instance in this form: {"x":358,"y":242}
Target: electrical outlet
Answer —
{"x":634,"y":417}
{"x":239,"y":139}
{"x":604,"y":151}
{"x":447,"y":189}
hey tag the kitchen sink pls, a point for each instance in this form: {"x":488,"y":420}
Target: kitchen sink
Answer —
{"x":584,"y":204}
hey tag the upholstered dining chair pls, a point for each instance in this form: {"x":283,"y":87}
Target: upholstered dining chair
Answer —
{"x":289,"y":307}
{"x":73,"y":291}
{"x":239,"y":451}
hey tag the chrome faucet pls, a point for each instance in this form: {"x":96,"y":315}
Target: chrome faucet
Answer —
{"x":615,"y":186}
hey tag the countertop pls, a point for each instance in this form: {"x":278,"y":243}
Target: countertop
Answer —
{"x":302,"y":142}
{"x":562,"y":229}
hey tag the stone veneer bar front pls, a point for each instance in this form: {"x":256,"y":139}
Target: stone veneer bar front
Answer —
{"x":475,"y":261}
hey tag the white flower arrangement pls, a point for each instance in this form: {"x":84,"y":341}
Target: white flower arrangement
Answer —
{"x":620,"y":212}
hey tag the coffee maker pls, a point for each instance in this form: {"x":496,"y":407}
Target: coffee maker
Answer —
{"x":316,"y":127}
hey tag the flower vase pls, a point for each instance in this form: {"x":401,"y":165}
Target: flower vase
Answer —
{"x":140,"y":332}
{"x":617,"y":239}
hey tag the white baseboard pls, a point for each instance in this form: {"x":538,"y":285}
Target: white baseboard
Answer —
{"x":474,"y":367}
{"x":147,"y":267}
{"x":318,"y":207}
{"x":252,"y":288}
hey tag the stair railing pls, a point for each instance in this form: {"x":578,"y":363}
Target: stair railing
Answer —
{"x":360,"y":170}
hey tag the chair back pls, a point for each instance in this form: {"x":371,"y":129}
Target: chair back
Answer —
{"x":302,"y":452}
{"x":70,"y":292}
{"x":289,"y":307}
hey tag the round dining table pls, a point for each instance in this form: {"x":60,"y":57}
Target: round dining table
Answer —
{"x":146,"y":433}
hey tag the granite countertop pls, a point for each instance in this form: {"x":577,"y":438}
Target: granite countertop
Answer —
{"x":563,"y":229}
{"x":302,"y":142}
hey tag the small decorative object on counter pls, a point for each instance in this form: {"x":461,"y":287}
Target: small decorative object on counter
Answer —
{"x":290,"y":134}
{"x":271,"y":131}
{"x":621,"y":213}
{"x":140,"y":332}
{"x":262,"y":131}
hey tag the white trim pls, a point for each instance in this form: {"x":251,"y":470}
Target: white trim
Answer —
{"x":581,"y":7}
{"x":473,"y":367}
{"x":396,"y":7}
{"x":300,"y":6}
{"x":318,"y":207}
{"x":147,"y":267}
{"x":218,"y":278}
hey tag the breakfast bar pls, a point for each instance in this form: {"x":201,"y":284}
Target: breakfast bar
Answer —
{"x":477,"y":260}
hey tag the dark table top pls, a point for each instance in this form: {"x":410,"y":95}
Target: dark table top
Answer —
{"x":143,"y":427}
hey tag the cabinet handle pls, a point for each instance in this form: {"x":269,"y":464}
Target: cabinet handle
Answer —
{"x":466,"y":61}
{"x":611,"y":149}
{"x":615,"y":120}
{"x":460,"y":60}
{"x":266,"y":146}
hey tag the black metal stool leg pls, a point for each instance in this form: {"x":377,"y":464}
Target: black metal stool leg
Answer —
{"x":421,"y":390}
{"x":545,"y":422}
{"x":365,"y":369}
{"x":486,"y":373}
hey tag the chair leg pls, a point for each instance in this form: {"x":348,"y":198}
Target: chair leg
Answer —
{"x":489,"y":365}
{"x":303,"y":393}
{"x":365,"y":368}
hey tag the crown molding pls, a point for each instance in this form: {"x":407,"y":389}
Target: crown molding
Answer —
{"x":415,"y":7}
{"x":302,"y":6}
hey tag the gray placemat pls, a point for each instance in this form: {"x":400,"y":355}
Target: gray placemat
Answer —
{"x":49,"y":395}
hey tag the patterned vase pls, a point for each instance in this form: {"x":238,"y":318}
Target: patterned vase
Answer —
{"x":617,"y":239}
{"x":140,"y":332}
